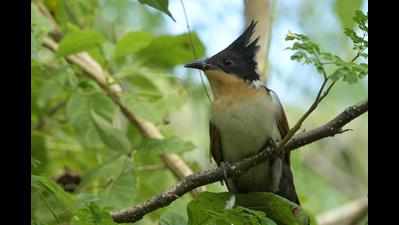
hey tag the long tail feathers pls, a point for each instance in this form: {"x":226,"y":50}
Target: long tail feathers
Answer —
{"x":287,"y":186}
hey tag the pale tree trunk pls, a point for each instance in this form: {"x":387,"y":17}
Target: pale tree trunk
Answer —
{"x":349,"y":214}
{"x":260,"y":11}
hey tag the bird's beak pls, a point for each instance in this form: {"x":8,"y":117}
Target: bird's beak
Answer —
{"x":200,"y":64}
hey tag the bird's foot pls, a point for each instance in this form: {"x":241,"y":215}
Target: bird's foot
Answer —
{"x":225,"y":165}
{"x":272,"y":143}
{"x":269,"y":146}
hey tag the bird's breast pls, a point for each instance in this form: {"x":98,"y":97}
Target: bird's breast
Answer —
{"x":244,"y":125}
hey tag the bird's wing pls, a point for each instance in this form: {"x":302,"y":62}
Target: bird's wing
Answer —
{"x":215,"y":143}
{"x":282,"y":122}
{"x":287,"y":186}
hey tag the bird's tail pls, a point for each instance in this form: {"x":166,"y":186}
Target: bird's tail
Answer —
{"x":287,"y":186}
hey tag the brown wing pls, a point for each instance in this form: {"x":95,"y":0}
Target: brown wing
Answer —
{"x":215,"y":143}
{"x":282,"y":122}
{"x":287,"y":186}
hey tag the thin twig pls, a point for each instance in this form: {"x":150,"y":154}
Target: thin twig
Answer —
{"x":328,"y":89}
{"x":329,"y":129}
{"x":193,"y":48}
{"x":299,"y":123}
{"x":191,"y":182}
{"x":344,"y":130}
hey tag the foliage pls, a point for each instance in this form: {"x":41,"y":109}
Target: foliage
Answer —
{"x":79,"y":41}
{"x":308,"y":52}
{"x":345,"y":10}
{"x":251,"y":208}
{"x":78,"y":128}
{"x":161,"y":5}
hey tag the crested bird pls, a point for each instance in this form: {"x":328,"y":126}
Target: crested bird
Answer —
{"x":245,"y":118}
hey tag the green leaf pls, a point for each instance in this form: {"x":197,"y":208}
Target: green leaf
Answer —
{"x":252,"y":208}
{"x":215,"y":208}
{"x":158,"y":146}
{"x":137,"y":77}
{"x":143,"y":107}
{"x":161,"y":5}
{"x":53,"y":87}
{"x":305,"y":50}
{"x":92,"y":214}
{"x":79,"y":41}
{"x":50,"y":203}
{"x":171,"y":218}
{"x":308,"y":52}
{"x":151,"y":94}
{"x":204,"y":208}
{"x":48,"y":186}
{"x":114,"y":138}
{"x":131,"y":43}
{"x":38,"y":153}
{"x":362,"y":20}
{"x":78,"y":112}
{"x":78,"y":115}
{"x":349,"y":72}
{"x":281,"y":210}
{"x":40,"y":26}
{"x":359,"y":37}
{"x":118,"y":183}
{"x":169,"y":50}
{"x":345,"y":10}
{"x":81,"y":13}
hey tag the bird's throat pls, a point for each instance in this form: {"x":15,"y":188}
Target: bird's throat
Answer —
{"x":225,"y":86}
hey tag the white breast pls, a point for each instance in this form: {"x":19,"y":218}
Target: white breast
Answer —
{"x":245,"y":127}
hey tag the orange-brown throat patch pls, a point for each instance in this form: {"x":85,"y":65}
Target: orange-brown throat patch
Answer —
{"x":226,"y":86}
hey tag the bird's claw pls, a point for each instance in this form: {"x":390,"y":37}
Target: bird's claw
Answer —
{"x":225,"y":165}
{"x":270,"y":145}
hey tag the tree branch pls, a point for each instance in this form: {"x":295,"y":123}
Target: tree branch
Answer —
{"x":191,"y":182}
{"x":320,"y":96}
{"x":329,"y":129}
{"x":180,"y":170}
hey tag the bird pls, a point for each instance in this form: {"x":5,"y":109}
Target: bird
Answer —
{"x":245,"y":118}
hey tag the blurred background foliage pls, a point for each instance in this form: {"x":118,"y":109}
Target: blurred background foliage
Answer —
{"x":87,"y":159}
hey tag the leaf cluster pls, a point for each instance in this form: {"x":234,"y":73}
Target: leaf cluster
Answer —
{"x":308,"y":52}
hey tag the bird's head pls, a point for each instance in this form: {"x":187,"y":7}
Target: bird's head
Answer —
{"x":236,"y":63}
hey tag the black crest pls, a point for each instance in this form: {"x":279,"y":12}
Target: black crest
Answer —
{"x":239,"y":57}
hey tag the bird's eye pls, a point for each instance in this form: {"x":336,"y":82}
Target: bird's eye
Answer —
{"x":228,"y":62}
